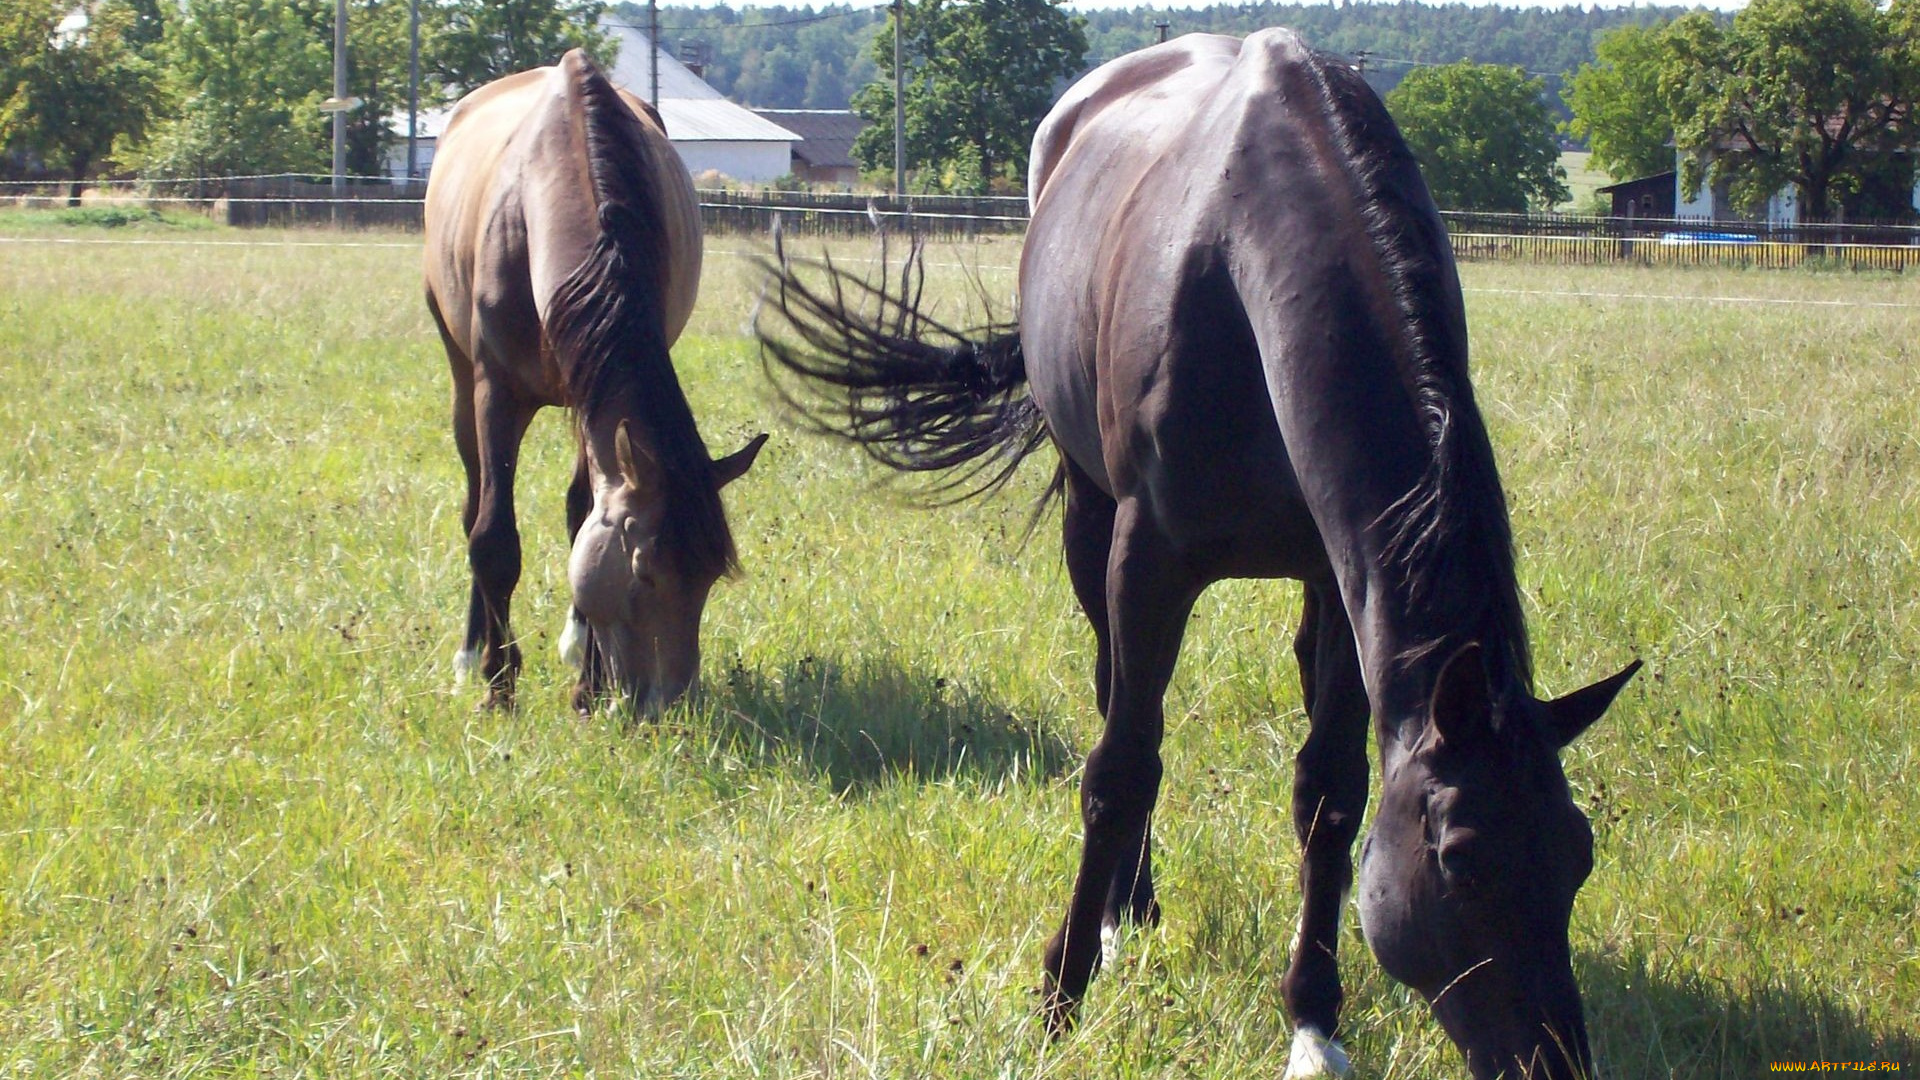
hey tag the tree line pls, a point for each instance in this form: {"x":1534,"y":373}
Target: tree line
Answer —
{"x":803,"y":57}
{"x":214,"y":88}
{"x":1817,"y":95}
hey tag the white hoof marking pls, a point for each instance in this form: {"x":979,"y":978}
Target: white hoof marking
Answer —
{"x":1109,"y":946}
{"x":573,"y":640}
{"x":1315,"y":1055}
{"x":465,"y":663}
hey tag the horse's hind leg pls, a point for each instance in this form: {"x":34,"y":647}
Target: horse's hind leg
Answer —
{"x":493,"y":538}
{"x":1329,"y":795}
{"x":466,"y":439}
{"x":1148,"y":599}
{"x":1088,"y":542}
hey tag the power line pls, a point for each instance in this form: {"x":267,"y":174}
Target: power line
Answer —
{"x":800,"y":21}
{"x":1375,"y":58}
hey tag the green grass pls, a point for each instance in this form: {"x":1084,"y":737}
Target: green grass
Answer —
{"x":143,"y":219}
{"x":248,"y":828}
{"x":1583,"y":181}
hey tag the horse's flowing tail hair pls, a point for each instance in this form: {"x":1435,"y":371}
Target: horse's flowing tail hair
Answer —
{"x":607,"y":324}
{"x":875,"y":369}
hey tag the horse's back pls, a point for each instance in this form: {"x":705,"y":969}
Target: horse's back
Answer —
{"x":511,"y":209}
{"x":1199,"y":239}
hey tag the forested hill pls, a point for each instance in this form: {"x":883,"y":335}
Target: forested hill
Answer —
{"x":815,"y":58}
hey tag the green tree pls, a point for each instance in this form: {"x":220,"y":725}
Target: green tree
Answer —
{"x":1618,"y":107}
{"x":479,"y":41}
{"x":1799,"y":92}
{"x":247,"y":78}
{"x":67,"y":95}
{"x":979,"y":76}
{"x":1483,"y":135}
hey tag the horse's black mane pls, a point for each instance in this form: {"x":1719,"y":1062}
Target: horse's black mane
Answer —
{"x":1457,"y":512}
{"x":606,"y":325}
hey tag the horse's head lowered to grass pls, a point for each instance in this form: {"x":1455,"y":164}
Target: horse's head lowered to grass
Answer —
{"x":639,"y":598}
{"x":1468,"y":876}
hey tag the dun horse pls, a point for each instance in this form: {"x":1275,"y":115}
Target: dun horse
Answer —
{"x":1241,"y":329}
{"x":563,"y":252}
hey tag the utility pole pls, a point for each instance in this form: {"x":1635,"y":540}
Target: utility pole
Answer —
{"x":1360,"y":61}
{"x":1162,"y":26}
{"x":653,"y":51}
{"x":899,"y":106}
{"x":340,"y":106}
{"x":413,"y":90}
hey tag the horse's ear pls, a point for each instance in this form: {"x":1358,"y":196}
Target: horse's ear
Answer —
{"x":1568,"y":716}
{"x":1462,"y":706}
{"x":637,"y":466}
{"x":735,"y":465}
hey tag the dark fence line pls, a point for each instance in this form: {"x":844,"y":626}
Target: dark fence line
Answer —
{"x":283,"y":201}
{"x":832,"y":213}
{"x":1545,"y":238}
{"x":1657,"y":251}
{"x":1682,"y":230}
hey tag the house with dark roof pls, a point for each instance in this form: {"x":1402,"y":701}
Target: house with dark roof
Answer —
{"x":1648,"y":197}
{"x":711,"y":134}
{"x":824,"y":154}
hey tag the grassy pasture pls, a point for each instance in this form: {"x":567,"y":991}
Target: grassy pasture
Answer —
{"x":247,"y":827}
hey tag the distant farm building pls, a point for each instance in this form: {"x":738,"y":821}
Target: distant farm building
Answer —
{"x":1888,"y":190}
{"x":1647,"y":197}
{"x":710,"y":133}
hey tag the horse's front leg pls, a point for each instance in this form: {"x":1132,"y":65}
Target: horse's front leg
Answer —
{"x":577,"y":644}
{"x":1329,"y":796}
{"x":1148,"y":600}
{"x":493,"y":539}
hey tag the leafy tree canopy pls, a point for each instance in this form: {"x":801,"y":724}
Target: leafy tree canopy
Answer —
{"x":247,"y":78}
{"x":482,"y":40}
{"x":979,"y":75}
{"x":1618,"y":107}
{"x":1483,"y":135}
{"x":67,"y":95}
{"x":1803,"y":92}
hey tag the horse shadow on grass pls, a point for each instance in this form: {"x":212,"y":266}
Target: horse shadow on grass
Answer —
{"x":860,"y":723}
{"x":1689,"y":1026}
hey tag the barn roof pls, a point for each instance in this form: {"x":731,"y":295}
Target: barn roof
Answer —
{"x":1657,"y":180}
{"x":826,"y":135}
{"x":693,"y":110}
{"x":716,"y":121}
{"x":631,"y":71}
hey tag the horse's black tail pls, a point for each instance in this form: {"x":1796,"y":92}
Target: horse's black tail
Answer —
{"x":865,"y":363}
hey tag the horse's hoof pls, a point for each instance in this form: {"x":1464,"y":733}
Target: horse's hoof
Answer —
{"x":465,"y":663}
{"x":1057,"y":1013}
{"x":584,"y":700}
{"x":1314,"y":1055}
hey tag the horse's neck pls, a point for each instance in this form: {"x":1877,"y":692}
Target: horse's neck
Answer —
{"x":1339,"y":369}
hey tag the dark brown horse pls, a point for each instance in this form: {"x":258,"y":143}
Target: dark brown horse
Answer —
{"x":1241,"y":327}
{"x":562,"y":255}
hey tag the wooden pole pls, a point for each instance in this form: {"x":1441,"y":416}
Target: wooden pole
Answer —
{"x":899,"y":105}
